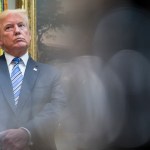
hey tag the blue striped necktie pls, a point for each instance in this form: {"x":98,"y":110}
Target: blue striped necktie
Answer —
{"x":16,"y":78}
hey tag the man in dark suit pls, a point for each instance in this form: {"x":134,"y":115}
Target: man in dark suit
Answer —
{"x":31,"y":97}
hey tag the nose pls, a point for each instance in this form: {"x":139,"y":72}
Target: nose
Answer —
{"x":16,"y":30}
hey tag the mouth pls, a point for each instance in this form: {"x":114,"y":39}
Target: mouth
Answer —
{"x":20,"y":40}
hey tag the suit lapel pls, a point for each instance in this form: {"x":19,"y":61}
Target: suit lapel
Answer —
{"x":29,"y":79}
{"x":5,"y":83}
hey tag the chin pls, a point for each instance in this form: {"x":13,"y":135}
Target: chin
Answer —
{"x":21,"y":46}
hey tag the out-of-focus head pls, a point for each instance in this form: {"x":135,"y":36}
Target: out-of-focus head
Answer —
{"x":78,"y":4}
{"x":14,"y":32}
{"x":79,"y":9}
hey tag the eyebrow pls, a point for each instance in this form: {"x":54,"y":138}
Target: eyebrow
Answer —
{"x":7,"y":24}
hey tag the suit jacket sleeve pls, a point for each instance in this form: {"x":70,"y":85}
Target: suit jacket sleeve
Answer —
{"x":48,"y":100}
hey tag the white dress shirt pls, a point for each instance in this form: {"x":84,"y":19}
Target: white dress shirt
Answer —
{"x":22,"y":65}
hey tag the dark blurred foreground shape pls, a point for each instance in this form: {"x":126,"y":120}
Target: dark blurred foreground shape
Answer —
{"x":92,"y":119}
{"x":108,"y":104}
{"x":128,"y":27}
{"x":125,"y":26}
{"x":133,"y":71}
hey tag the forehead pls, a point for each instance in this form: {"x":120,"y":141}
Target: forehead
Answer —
{"x":13,"y":18}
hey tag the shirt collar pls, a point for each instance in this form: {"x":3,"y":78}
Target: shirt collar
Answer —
{"x":9,"y":58}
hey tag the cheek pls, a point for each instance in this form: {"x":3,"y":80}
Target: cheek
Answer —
{"x":7,"y":38}
{"x":28,"y":36}
{"x":7,"y":41}
{"x":4,"y":40}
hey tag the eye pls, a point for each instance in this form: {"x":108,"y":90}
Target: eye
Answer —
{"x":21,"y":25}
{"x":8,"y":28}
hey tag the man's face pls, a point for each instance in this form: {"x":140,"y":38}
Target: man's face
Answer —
{"x":14,"y":35}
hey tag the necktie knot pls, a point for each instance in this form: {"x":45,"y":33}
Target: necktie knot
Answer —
{"x":16,"y":60}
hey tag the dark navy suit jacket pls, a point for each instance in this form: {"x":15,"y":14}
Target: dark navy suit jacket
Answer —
{"x":40,"y":103}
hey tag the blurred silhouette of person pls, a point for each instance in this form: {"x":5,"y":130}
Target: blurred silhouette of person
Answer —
{"x":133,"y":71}
{"x":124,"y":26}
{"x":91,"y":120}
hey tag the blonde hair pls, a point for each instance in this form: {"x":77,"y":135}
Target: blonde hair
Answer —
{"x":22,"y":12}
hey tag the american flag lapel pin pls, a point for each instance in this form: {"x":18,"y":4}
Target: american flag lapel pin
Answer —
{"x":35,"y":69}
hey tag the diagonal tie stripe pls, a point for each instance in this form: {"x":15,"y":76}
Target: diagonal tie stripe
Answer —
{"x":16,"y":78}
